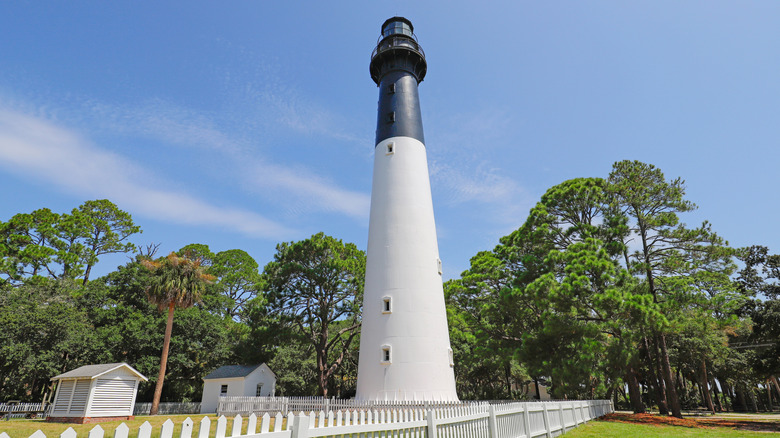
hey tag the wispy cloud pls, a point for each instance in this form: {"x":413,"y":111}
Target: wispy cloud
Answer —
{"x":309,"y":191}
{"x":36,"y":147}
{"x":301,"y":189}
{"x":468,"y":173}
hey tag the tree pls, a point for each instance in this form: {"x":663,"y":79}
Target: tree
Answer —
{"x":670,"y":255}
{"x":44,"y":333}
{"x":238,"y":279}
{"x":31,"y":246}
{"x":59,"y":246}
{"x":178,"y":282}
{"x":103,"y":229}
{"x":761,"y":276}
{"x":314,"y":285}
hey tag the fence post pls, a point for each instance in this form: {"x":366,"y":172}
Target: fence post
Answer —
{"x":563,"y":420}
{"x":492,"y":426}
{"x":546,"y":420}
{"x":431,"y":423}
{"x":300,"y":428}
{"x":527,"y":420}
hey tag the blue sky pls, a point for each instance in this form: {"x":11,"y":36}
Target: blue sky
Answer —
{"x":242,"y":124}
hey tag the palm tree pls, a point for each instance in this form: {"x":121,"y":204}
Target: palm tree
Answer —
{"x":178,"y":281}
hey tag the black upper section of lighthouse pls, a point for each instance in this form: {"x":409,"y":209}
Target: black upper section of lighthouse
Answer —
{"x":398,"y":66}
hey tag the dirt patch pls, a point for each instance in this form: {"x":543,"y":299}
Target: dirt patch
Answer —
{"x":758,"y":425}
{"x":650,"y":419}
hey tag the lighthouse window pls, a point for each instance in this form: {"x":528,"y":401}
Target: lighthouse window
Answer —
{"x":386,"y":357}
{"x":391,"y":116}
{"x":452,"y":359}
{"x":391,"y":88}
{"x":438,"y":265}
{"x":390,"y":148}
{"x":386,"y":305}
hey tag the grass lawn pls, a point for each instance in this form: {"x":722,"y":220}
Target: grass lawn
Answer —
{"x":651,"y":426}
{"x":21,"y":428}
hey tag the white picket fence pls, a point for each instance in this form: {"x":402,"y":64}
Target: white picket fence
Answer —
{"x":168,"y":408}
{"x":232,"y":405}
{"x":512,"y":420}
{"x":12,"y":410}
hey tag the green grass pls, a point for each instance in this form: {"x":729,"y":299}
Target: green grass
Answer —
{"x":21,"y":428}
{"x":624,"y":430}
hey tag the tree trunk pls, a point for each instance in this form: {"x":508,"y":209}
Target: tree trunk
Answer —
{"x":322,"y":358}
{"x":671,"y":391}
{"x":753,"y":402}
{"x":777,"y":385}
{"x":741,"y":404}
{"x":633,"y":390}
{"x":660,"y":393}
{"x":323,"y":376}
{"x":86,"y":274}
{"x":680,"y":380}
{"x":163,"y":361}
{"x":718,"y":404}
{"x":769,"y":396}
{"x":508,"y":377}
{"x":625,"y":397}
{"x":705,"y":391}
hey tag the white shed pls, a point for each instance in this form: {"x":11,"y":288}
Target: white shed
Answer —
{"x":96,"y":392}
{"x":236,"y":380}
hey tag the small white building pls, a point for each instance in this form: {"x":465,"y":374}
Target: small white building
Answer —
{"x":236,"y":380}
{"x":96,"y":392}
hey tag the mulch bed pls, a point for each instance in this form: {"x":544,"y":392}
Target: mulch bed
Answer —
{"x":703,"y":423}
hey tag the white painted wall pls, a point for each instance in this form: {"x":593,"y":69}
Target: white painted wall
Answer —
{"x":262,"y":375}
{"x":113,"y":394}
{"x":237,"y":386}
{"x":403,"y":264}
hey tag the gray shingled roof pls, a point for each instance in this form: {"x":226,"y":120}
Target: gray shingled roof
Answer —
{"x":229,"y":371}
{"x":90,"y":371}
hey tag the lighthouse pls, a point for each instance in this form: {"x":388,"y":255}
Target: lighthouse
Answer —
{"x":405,"y":352}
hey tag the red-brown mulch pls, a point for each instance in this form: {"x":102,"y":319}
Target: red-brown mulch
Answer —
{"x":706,"y":423}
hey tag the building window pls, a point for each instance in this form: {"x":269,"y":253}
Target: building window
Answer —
{"x":387,"y":306}
{"x":390,"y":148}
{"x":391,"y":88}
{"x":438,"y":265}
{"x":391,"y":116}
{"x":259,"y":390}
{"x":386,"y":356}
{"x":451,"y":357}
{"x":223,"y":390}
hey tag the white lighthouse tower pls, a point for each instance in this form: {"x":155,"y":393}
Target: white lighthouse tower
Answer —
{"x":405,"y":352}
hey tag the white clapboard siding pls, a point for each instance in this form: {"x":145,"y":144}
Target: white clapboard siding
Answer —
{"x":64,"y":394}
{"x":78,"y":403}
{"x":112,"y":396}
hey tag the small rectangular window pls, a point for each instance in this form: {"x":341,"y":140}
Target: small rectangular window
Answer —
{"x":387,"y":306}
{"x":259,"y":390}
{"x":386,"y":356}
{"x":438,"y":265}
{"x":451,"y":357}
{"x":391,"y":88}
{"x":223,"y":390}
{"x":390,"y":148}
{"x":391,"y":117}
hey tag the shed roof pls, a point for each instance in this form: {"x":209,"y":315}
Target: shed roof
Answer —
{"x":92,"y":371}
{"x":231,"y":371}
